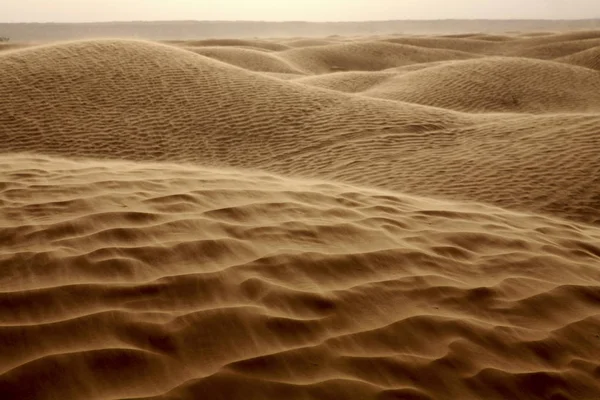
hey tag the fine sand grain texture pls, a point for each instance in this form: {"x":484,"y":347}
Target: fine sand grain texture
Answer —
{"x":383,"y":217}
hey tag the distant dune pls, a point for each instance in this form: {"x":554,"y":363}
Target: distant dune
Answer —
{"x":589,"y":58}
{"x":458,"y":128}
{"x":497,"y":85}
{"x":375,"y":217}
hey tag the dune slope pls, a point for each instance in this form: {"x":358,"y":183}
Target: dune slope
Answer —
{"x":498,"y":85}
{"x":589,"y":58}
{"x":250,"y":59}
{"x":168,"y":281}
{"x":150,"y":102}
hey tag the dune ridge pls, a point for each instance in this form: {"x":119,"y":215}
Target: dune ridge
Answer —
{"x":383,"y":217}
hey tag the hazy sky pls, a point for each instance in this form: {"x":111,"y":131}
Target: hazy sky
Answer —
{"x":278,"y":10}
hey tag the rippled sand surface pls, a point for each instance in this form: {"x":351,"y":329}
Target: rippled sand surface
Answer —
{"x":391,"y":217}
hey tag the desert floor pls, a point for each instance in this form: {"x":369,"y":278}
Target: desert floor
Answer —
{"x":384,"y":217}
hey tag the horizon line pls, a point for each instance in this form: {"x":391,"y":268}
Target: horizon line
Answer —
{"x":305,"y":21}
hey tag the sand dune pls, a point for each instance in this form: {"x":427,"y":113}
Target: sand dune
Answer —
{"x":264,"y":45}
{"x":492,"y":84}
{"x":457,"y":44}
{"x":150,"y":102}
{"x":492,"y":38}
{"x":589,"y":58}
{"x":566,"y":36}
{"x":550,"y":51}
{"x":249,"y":59}
{"x":387,"y":217}
{"x":497,"y":85}
{"x":229,"y":284}
{"x":350,"y":81}
{"x":365,"y":56}
{"x":298,"y":42}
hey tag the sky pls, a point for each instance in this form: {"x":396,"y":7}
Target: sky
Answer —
{"x":291,"y":10}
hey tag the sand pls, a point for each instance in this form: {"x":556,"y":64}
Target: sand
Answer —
{"x":383,"y":217}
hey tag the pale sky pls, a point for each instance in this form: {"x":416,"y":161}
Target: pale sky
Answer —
{"x":294,"y":10}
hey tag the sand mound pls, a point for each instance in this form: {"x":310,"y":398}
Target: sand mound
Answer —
{"x":365,"y":56}
{"x":416,"y":67}
{"x":249,"y":59}
{"x":456,"y":44}
{"x":151,"y":102}
{"x":493,"y":38}
{"x":97,"y":104}
{"x":461,"y":35}
{"x":498,"y":85}
{"x":481,"y":36}
{"x":589,"y":58}
{"x":550,"y":51}
{"x":283,"y":76}
{"x":162,"y":281}
{"x":534,"y":34}
{"x":349,"y":82}
{"x":309,"y":42}
{"x":253,"y":44}
{"x":566,"y":36}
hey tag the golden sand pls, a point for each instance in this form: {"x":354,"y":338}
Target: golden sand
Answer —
{"x":341,"y":218}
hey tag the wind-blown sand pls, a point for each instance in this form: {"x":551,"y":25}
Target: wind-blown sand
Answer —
{"x":343,"y":218}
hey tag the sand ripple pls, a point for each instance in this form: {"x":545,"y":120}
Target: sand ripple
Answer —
{"x":515,"y":132}
{"x":165,"y":281}
{"x":245,"y":218}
